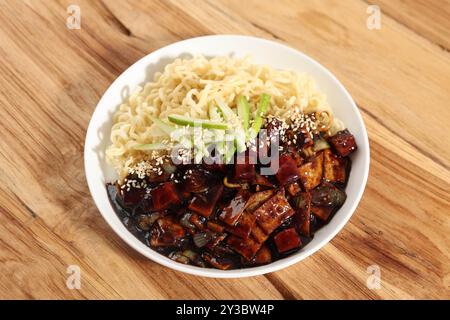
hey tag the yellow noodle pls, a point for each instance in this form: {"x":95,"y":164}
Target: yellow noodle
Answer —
{"x":188,"y":86}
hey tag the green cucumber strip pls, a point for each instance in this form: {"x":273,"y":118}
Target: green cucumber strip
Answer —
{"x":240,"y":139}
{"x":228,"y":114}
{"x":231,"y":149}
{"x":150,"y":146}
{"x":165,"y":127}
{"x":186,"y":121}
{"x":261,"y":110}
{"x":243,"y":108}
{"x":214,"y":113}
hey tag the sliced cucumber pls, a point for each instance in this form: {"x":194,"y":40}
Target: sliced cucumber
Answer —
{"x":261,"y":110}
{"x":240,"y":139}
{"x":150,"y":146}
{"x":243,"y":108}
{"x":165,"y":127}
{"x":227,"y":112}
{"x":229,"y":115}
{"x":186,"y":121}
{"x":229,"y":153}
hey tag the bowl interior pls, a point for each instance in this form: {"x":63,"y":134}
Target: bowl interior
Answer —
{"x":98,"y":172}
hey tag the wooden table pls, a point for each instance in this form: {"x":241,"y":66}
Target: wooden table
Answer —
{"x":52,"y":77}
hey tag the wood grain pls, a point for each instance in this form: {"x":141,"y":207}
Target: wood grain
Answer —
{"x":429,"y":21}
{"x":51,"y":79}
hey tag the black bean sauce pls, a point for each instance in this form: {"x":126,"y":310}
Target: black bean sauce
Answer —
{"x":200,"y":214}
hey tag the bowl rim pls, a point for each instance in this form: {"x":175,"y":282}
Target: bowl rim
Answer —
{"x":131,"y":240}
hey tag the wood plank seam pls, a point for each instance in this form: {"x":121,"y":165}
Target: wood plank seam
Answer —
{"x":27,"y":208}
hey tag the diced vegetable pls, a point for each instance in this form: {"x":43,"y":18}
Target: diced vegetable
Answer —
{"x":214,"y":113}
{"x":233,"y":211}
{"x":186,"y":213}
{"x":164,"y":127}
{"x":273,"y":212}
{"x":227,"y":112}
{"x":262,"y":181}
{"x":243,"y":169}
{"x":145,"y":221}
{"x":132,"y":197}
{"x":201,"y":239}
{"x":179,"y":257}
{"x":167,"y":168}
{"x":245,"y":247}
{"x":150,"y":146}
{"x":302,"y":206}
{"x":214,"y":226}
{"x":335,"y":167}
{"x":257,"y":199}
{"x":301,"y":137}
{"x":218,"y":262}
{"x":185,"y":221}
{"x":320,"y":144}
{"x":197,"y":221}
{"x":243,"y":108}
{"x":311,"y":172}
{"x":261,"y":110}
{"x":295,"y":154}
{"x":304,"y":139}
{"x":244,"y":226}
{"x":263,"y":256}
{"x":222,"y":249}
{"x":194,"y":257}
{"x":327,"y":195}
{"x":204,"y":204}
{"x":165,"y":196}
{"x":286,"y":240}
{"x":238,"y":132}
{"x":293,"y":189}
{"x":186,"y":121}
{"x":240,"y":140}
{"x":166,"y":232}
{"x":216,"y":240}
{"x":287,"y":171}
{"x":343,"y":142}
{"x":258,"y":234}
{"x":197,"y":180}
{"x":323,"y":213}
{"x":229,"y":152}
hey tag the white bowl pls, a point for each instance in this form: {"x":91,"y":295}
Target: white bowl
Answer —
{"x":98,"y":172}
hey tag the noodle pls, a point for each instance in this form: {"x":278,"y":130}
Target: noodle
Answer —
{"x":187,"y":87}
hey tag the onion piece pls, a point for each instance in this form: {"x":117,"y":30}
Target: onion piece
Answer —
{"x":178,"y":257}
{"x":201,"y":239}
{"x":184,"y":221}
{"x":320,"y":144}
{"x":194,"y":257}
